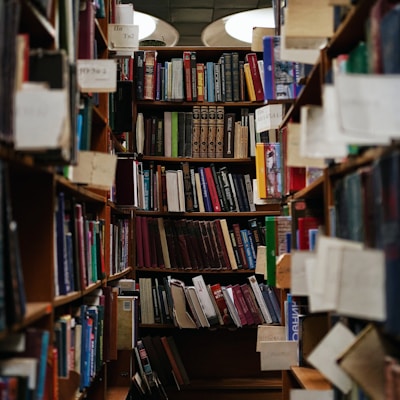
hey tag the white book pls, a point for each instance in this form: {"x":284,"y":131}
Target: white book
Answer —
{"x":249,"y":191}
{"x":228,"y":296}
{"x":181,"y":191}
{"x":171,"y":177}
{"x":199,"y":193}
{"x":205,"y":299}
{"x":198,"y":311}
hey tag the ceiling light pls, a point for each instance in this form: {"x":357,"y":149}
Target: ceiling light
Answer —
{"x":237,"y":29}
{"x":240,"y":26}
{"x":155,"y":29}
{"x":146,"y":23}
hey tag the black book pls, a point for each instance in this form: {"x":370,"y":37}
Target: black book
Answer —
{"x":123,"y":107}
{"x":139,"y":73}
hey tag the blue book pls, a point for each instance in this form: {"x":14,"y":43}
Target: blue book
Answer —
{"x":247,"y":250}
{"x":210,"y":82}
{"x":146,"y":181}
{"x":86,"y":323}
{"x":204,"y":190}
{"x":292,"y":319}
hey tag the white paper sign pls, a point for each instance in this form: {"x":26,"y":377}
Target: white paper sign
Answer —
{"x":277,"y":355}
{"x":270,"y":333}
{"x":268,"y":117}
{"x":325,"y":354}
{"x":298,"y":275}
{"x":368,"y":106}
{"x":41,"y":116}
{"x":98,"y":76}
{"x":362,"y":284}
{"x":123,"y":37}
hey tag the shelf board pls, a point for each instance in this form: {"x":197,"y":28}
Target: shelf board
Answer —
{"x":227,"y":214}
{"x":34,"y":311}
{"x":81,"y":192}
{"x":315,"y":189}
{"x":267,"y":383}
{"x":65,"y":299}
{"x":310,"y":378}
{"x":196,"y":271}
{"x":119,"y":275}
{"x":202,"y":160}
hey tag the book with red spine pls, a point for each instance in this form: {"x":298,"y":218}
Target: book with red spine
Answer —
{"x":251,"y":58}
{"x":212,"y":189}
{"x":239,"y":298}
{"x":187,"y":71}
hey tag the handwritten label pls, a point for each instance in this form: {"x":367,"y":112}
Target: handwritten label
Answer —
{"x":268,"y":117}
{"x":98,"y":76}
{"x":123,"y":37}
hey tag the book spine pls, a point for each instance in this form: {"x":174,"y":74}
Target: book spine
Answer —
{"x":203,"y":148}
{"x":187,"y":75}
{"x":240,"y":246}
{"x":200,"y":81}
{"x":193,"y":74}
{"x":219,"y":136}
{"x":204,"y":190}
{"x":251,"y":58}
{"x":212,"y":131}
{"x":216,"y":206}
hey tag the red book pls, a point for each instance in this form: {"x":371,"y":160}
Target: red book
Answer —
{"x":221,"y":244}
{"x":86,"y":31}
{"x":238,"y":306}
{"x":212,"y":190}
{"x":252,"y":303}
{"x":251,"y":58}
{"x":239,"y":298}
{"x":216,"y":291}
{"x":187,"y":72}
{"x":304,"y":225}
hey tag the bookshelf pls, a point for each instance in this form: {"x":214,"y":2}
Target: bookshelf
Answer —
{"x":33,"y":181}
{"x":367,"y":229}
{"x":220,"y":361}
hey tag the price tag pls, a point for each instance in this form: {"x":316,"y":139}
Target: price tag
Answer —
{"x":97,"y":76}
{"x":123,"y":37}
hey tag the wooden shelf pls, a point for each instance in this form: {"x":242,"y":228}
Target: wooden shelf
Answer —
{"x":310,"y":378}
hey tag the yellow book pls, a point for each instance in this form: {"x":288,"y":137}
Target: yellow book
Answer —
{"x":260,"y":171}
{"x":249,"y":82}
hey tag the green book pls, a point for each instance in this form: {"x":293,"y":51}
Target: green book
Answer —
{"x":270,"y":243}
{"x":174,"y":134}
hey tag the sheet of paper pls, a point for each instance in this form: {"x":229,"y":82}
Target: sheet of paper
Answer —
{"x":277,"y":356}
{"x":35,"y":127}
{"x":294,"y":159}
{"x":329,"y":258}
{"x":303,"y":394}
{"x":315,"y":123}
{"x":362,"y":284}
{"x":299,"y":285}
{"x":336,"y":133}
{"x":269,"y":333}
{"x":315,"y":299}
{"x":325,"y":354}
{"x":369,"y":117}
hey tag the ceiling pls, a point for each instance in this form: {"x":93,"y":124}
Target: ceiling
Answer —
{"x":190,"y":17}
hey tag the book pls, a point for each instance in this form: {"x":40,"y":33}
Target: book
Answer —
{"x":138,"y":56}
{"x":127,"y":319}
{"x":176,"y":360}
{"x":229,"y":130}
{"x":196,"y":131}
{"x":216,"y":291}
{"x":204,"y":299}
{"x":260,"y":300}
{"x":251,"y":59}
{"x":149,"y":79}
{"x":212,"y":131}
{"x":203,"y":148}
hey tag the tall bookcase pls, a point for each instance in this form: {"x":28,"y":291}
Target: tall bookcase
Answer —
{"x":31,"y":188}
{"x":365,"y":221}
{"x":220,"y":362}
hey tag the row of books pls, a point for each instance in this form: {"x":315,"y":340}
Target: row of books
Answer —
{"x":80,"y":248}
{"x":186,"y":244}
{"x":206,"y":131}
{"x":186,"y":79}
{"x":186,"y":189}
{"x":200,"y":305}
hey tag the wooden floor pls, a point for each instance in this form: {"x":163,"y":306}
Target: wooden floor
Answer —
{"x":117,"y":393}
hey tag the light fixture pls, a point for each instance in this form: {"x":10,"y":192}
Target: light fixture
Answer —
{"x":237,"y":29}
{"x":152,"y":29}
